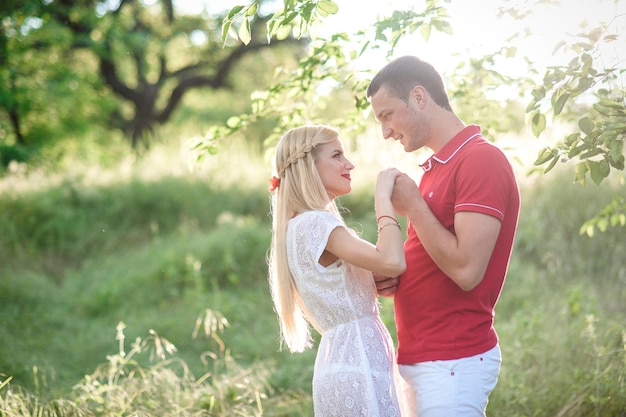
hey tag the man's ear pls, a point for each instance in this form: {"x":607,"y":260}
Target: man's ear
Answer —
{"x":419,"y":95}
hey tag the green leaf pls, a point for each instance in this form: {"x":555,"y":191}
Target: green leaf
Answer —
{"x":572,"y":138}
{"x":618,"y":163}
{"x":587,"y":62}
{"x":288,"y":18}
{"x":538,"y":93}
{"x":225,"y":29}
{"x":586,"y":125}
{"x":603,"y":110}
{"x":584,"y":84}
{"x":511,"y":52}
{"x":578,"y":149}
{"x":425,"y":30}
{"x":538,"y":123}
{"x":365,"y":47}
{"x":616,"y":127}
{"x":327,"y":7}
{"x":380,"y":36}
{"x":272,"y":27}
{"x":307,"y":12}
{"x":606,"y":102}
{"x":591,"y":153}
{"x":598,"y":170}
{"x":602,"y":224}
{"x":233,"y":122}
{"x":445,"y":27}
{"x":233,"y":12}
{"x":544,"y":156}
{"x":617,"y":148}
{"x":560,"y":103}
{"x":618,"y":219}
{"x":244,"y":32}
{"x":551,"y":165}
{"x":251,"y":10}
{"x":588,"y":229}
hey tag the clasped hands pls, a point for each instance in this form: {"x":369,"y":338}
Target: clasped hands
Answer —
{"x":406,"y":195}
{"x":385,"y":286}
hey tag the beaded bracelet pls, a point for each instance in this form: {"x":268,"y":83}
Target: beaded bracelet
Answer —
{"x":389,"y":217}
{"x":381,"y":227}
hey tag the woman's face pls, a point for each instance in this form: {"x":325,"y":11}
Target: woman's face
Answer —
{"x":333,"y":168}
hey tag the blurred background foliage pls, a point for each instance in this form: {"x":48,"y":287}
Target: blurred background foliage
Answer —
{"x":104,"y":72}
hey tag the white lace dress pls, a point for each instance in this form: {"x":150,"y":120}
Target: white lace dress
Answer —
{"x":353,"y":374}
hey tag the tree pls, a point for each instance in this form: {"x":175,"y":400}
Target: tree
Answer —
{"x":581,"y":91}
{"x":145,"y":57}
{"x":151,"y":52}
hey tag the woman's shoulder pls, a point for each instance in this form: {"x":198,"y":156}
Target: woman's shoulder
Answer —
{"x":316,"y":217}
{"x":315,"y":214}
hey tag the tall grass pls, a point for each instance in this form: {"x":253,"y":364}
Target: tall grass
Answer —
{"x":174,"y":253}
{"x":166,"y":386}
{"x":561,"y":318}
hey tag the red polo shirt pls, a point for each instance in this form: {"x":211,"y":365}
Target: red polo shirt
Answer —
{"x":437,"y":320}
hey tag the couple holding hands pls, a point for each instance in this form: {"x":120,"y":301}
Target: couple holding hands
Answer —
{"x":445,"y":276}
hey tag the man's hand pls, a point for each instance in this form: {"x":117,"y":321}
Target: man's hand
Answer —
{"x":406,"y":195}
{"x":386,"y":286}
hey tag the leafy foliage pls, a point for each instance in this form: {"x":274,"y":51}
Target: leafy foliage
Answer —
{"x":299,"y":96}
{"x":599,"y":141}
{"x":582,"y":89}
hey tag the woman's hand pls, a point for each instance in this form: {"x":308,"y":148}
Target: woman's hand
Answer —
{"x":385,"y":286}
{"x":385,"y":182}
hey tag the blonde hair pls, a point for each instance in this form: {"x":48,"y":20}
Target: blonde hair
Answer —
{"x":300,"y":190}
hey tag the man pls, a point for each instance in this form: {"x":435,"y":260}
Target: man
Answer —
{"x":462,"y":222}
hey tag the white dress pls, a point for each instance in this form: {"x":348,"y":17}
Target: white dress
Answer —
{"x":353,"y":374}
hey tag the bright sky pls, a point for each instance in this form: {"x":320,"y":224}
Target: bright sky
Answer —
{"x":477,"y":28}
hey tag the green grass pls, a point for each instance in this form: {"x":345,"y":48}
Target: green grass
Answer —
{"x":165,"y":251}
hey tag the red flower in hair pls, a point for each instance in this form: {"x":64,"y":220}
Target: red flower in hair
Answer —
{"x":274,"y":183}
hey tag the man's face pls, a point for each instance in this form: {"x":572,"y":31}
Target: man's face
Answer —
{"x":399,"y":120}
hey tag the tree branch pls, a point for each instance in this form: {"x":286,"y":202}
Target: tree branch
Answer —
{"x":109,"y":74}
{"x":219,"y":79}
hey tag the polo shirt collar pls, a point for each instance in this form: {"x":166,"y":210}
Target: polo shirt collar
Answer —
{"x":451,"y":148}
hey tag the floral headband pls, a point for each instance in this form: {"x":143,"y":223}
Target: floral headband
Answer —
{"x":274,"y":183}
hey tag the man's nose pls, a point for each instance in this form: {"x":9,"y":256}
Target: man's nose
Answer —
{"x":387,"y":132}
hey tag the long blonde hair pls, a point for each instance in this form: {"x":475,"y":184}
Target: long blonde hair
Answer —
{"x":300,"y":190}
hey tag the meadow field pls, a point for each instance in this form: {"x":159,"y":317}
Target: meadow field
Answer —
{"x":140,"y":289}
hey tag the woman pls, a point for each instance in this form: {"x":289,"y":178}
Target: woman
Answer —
{"x":321,"y":273}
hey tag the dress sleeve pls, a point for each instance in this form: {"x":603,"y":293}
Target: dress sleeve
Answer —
{"x":307,"y":236}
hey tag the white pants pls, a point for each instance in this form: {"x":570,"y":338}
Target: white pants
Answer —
{"x":454,"y":388}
